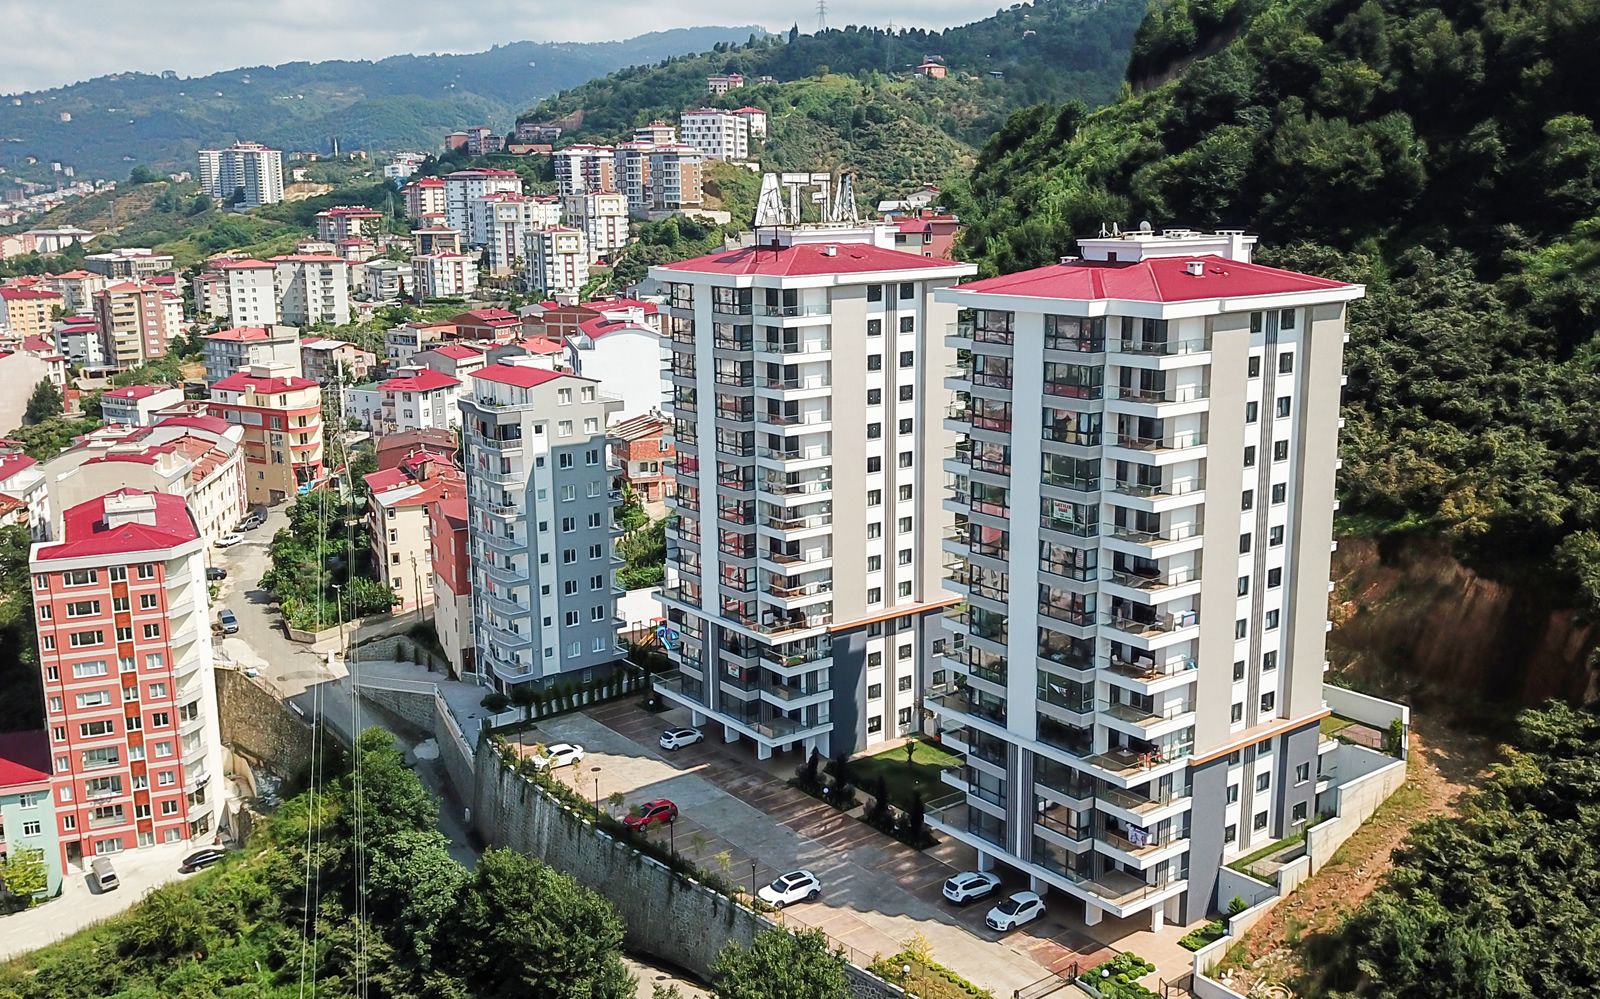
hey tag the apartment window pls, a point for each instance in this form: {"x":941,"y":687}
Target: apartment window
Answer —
{"x":874,"y":660}
{"x":1280,"y":450}
{"x":1252,"y":412}
{"x":1275,"y":536}
{"x":1260,"y":821}
{"x":874,"y":397}
{"x":903,"y":716}
{"x":1241,"y":628}
{"x":1286,"y":361}
{"x":597,"y":612}
{"x":84,"y":639}
{"x":161,"y":719}
{"x":903,"y":684}
{"x":905,"y":426}
{"x":1238,"y":670}
{"x":1272,"y":620}
{"x":903,"y":525}
{"x":1230,"y":834}
{"x":597,"y":582}
{"x":903,"y":557}
{"x":1244,"y":544}
{"x":1286,"y":319}
{"x":93,"y":699}
{"x":907,"y":290}
{"x":1250,"y":456}
{"x":563,"y":397}
{"x":874,"y":327}
{"x":874,"y":563}
{"x":874,"y":497}
{"x":1255,"y":366}
{"x":903,"y":589}
{"x":1248,"y":500}
{"x":569,"y":524}
{"x":147,"y":571}
{"x":1237,"y":712}
{"x":874,"y":362}
{"x":875,"y":595}
{"x":1269,"y":661}
{"x":906,"y":458}
{"x":600,"y":643}
{"x":564,"y":460}
{"x":570,"y":618}
{"x":569,"y":556}
{"x":908,"y":324}
{"x":1280,"y":492}
{"x":596,"y":551}
{"x":569,"y":588}
{"x":875,"y":724}
{"x":1302,"y":773}
{"x":1299,"y":814}
{"x":81,"y":671}
{"x":166,"y":778}
{"x":31,"y":828}
{"x":569,"y":493}
{"x":82,"y":608}
{"x":938,"y":677}
{"x":1269,"y":700}
{"x":874,"y":530}
{"x":874,"y":464}
{"x":1283,"y":407}
{"x":1233,"y":793}
{"x":96,"y":729}
{"x":874,"y":431}
{"x":874,"y":691}
{"x":874,"y":292}
{"x":1244,"y":586}
{"x":908,"y":358}
{"x":79,"y":577}
{"x":44,"y":612}
{"x":152,"y":631}
{"x":1274,"y":578}
{"x":1263,"y":781}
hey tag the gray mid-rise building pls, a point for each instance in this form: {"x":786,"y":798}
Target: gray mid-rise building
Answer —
{"x":1144,"y":494}
{"x":541,"y":504}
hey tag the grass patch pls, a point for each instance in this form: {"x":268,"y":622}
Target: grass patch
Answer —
{"x":905,"y":780}
{"x":1267,"y":851}
{"x":1332,"y":725}
{"x":928,"y":978}
{"x":1205,"y":935}
{"x":1119,"y":977}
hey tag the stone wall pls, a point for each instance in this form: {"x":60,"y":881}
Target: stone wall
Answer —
{"x":409,"y":702}
{"x":455,"y":751}
{"x":668,"y":916}
{"x":257,"y":725}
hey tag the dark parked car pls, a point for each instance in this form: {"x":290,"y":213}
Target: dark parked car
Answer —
{"x":214,"y":573}
{"x":201,"y":859}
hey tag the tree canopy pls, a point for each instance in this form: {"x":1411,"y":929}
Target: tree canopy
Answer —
{"x":781,"y":965}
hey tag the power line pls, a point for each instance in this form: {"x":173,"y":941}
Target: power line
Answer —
{"x":822,"y":16}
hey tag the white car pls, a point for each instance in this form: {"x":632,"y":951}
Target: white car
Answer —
{"x":796,"y":886}
{"x":560,"y":754}
{"x":1023,"y":907}
{"x":677,"y":738}
{"x":969,"y":886}
{"x":229,"y":540}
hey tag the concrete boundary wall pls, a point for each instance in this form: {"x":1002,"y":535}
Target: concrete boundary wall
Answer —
{"x":1368,"y":710}
{"x":1357,"y":800}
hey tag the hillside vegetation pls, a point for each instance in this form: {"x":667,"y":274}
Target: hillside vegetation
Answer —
{"x":1446,"y":156}
{"x":403,"y":102}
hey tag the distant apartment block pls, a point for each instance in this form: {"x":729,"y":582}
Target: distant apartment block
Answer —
{"x":755,"y":121}
{"x":720,"y":83}
{"x":417,"y":398}
{"x":718,"y":133}
{"x":443,"y":275}
{"x":244,"y":175}
{"x":541,"y":504}
{"x":125,"y":262}
{"x":502,"y":224}
{"x":462,"y":186}
{"x":28,"y":821}
{"x":1143,"y":489}
{"x":281,"y":413}
{"x":125,"y":651}
{"x":398,"y":517}
{"x":385,"y":280}
{"x":249,"y":291}
{"x":452,"y":581}
{"x":799,"y":381}
{"x":30,"y":311}
{"x":435,"y":239}
{"x":642,"y":448}
{"x":324,"y":360}
{"x":24,"y":488}
{"x":137,"y":321}
{"x":136,"y":405}
{"x":424,"y":197}
{"x":312,"y":288}
{"x":406,"y":339}
{"x":226,"y":351}
{"x":557,"y":260}
{"x":77,"y":289}
{"x":608,"y":349}
{"x":676,"y":174}
{"x":602,"y":217}
{"x":348,"y":222}
{"x":584,"y":168}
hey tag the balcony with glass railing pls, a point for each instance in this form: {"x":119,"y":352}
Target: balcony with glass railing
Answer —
{"x":1151,"y":395}
{"x":1157,"y":489}
{"x":1174,"y":441}
{"x":1162,"y":348}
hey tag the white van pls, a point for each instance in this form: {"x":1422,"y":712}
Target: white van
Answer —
{"x":105,"y":878}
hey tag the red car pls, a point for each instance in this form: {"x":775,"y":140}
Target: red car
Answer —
{"x":660,"y":810}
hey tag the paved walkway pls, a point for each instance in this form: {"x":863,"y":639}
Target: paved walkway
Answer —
{"x":80,"y":905}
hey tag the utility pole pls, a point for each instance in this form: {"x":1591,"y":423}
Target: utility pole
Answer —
{"x":822,"y":16}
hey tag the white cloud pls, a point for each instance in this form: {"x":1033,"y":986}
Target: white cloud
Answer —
{"x":64,"y":43}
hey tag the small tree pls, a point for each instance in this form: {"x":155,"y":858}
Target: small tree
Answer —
{"x":808,"y":770}
{"x":615,"y":799}
{"x":781,"y":965}
{"x":43,"y":404}
{"x":1237,"y":906}
{"x":23,"y":875}
{"x":524,"y":696}
{"x":911,"y":752}
{"x":839,"y":769}
{"x":880,"y":803}
{"x":495,"y":702}
{"x":917,"y":819}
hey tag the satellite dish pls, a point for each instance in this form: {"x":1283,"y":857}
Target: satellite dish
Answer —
{"x":1145,"y":226}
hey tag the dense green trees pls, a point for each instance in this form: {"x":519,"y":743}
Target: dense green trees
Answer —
{"x":44,"y":403}
{"x":1444,"y":157}
{"x":782,"y":965}
{"x":1499,"y":902}
{"x":432,"y":929}
{"x":326,"y":543}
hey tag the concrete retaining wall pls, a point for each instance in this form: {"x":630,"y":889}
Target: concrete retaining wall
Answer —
{"x":455,"y":752}
{"x":667,"y":916}
{"x":1354,"y":800}
{"x":1368,"y":710}
{"x":256,"y":724}
{"x":409,"y":702}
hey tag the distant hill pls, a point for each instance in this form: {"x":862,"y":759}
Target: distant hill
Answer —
{"x":1050,"y":50}
{"x":402,"y":102}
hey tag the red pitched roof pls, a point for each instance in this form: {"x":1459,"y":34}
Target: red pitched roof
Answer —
{"x":428,"y":182}
{"x":1158,"y":279}
{"x":541,"y":345}
{"x":213,"y":424}
{"x":11,"y":294}
{"x":241,"y":334}
{"x":598,"y":327}
{"x":11,"y":464}
{"x":807,"y":260}
{"x":239,"y":381}
{"x":86,"y":534}
{"x":487,"y":317}
{"x":309,"y":258}
{"x":242,"y":265}
{"x":24,"y":758}
{"x":137,"y":391}
{"x":426,"y":380}
{"x":520,"y":375}
{"x":456,"y":351}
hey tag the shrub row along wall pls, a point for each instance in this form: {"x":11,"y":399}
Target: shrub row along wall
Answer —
{"x":668,"y":916}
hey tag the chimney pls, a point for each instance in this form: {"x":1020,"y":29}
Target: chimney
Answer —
{"x":1195,"y":268}
{"x":830,"y":250}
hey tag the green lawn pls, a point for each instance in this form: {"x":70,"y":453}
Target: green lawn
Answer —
{"x":904,"y":781}
{"x":1332,"y":725}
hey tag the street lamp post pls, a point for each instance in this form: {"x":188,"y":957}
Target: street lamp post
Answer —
{"x":752,"y":877}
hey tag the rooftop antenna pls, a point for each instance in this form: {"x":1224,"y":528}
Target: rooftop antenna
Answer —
{"x":822,"y":16}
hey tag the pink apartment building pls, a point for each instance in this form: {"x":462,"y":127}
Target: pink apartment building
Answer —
{"x":130,"y":699}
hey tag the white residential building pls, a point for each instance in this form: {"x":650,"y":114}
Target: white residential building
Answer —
{"x":603,"y":219}
{"x":443,"y":275}
{"x":136,"y":405}
{"x":755,"y":121}
{"x":608,"y":350}
{"x":800,"y":375}
{"x":385,"y":280}
{"x":226,"y":351}
{"x":718,"y":133}
{"x":251,"y":293}
{"x":1144,"y":495}
{"x":501,"y":224}
{"x":541,"y":502}
{"x":312,"y":288}
{"x":417,"y":398}
{"x":461,"y":187}
{"x":584,"y":168}
{"x":247,"y":174}
{"x":558,"y":260}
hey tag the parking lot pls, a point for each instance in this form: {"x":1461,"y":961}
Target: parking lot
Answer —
{"x":736,"y":816}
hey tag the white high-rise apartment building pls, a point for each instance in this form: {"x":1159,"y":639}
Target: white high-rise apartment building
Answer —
{"x":583,"y":167}
{"x":718,"y":133}
{"x":541,"y":506}
{"x":443,"y":275}
{"x":603,"y":218}
{"x":558,"y":260}
{"x":799,"y":381}
{"x":461,"y":187}
{"x":248,"y":171}
{"x":501,"y":224}
{"x":312,"y":288}
{"x":1144,"y":492}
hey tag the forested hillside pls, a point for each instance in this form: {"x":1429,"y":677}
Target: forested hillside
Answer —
{"x":1049,"y":50}
{"x":1445,"y":155}
{"x":403,"y":102}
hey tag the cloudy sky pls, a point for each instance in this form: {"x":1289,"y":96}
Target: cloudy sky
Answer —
{"x":70,"y":41}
